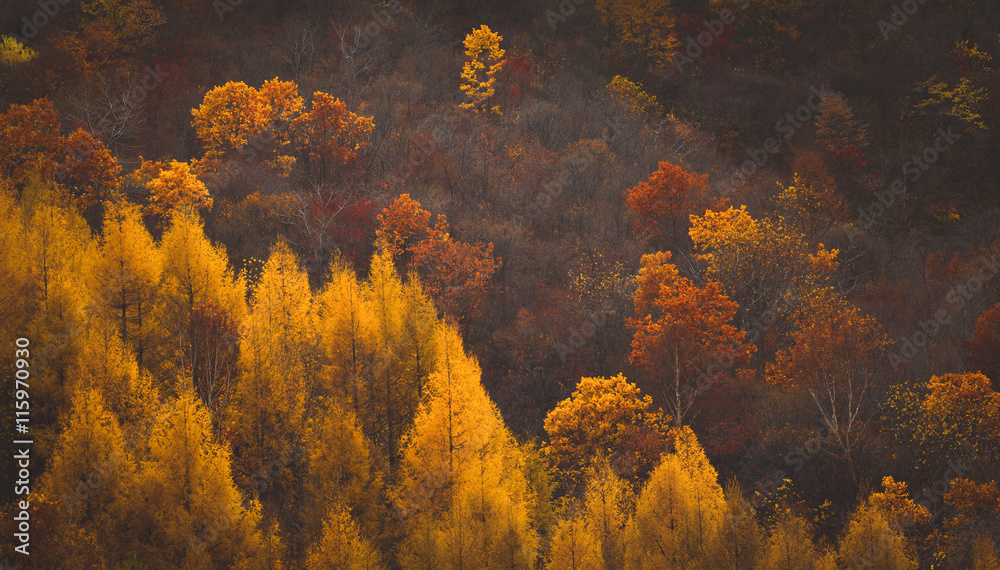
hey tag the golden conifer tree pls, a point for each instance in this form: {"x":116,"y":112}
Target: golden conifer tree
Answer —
{"x":462,"y":491}
{"x":91,"y":465}
{"x":485,"y":60}
{"x":341,"y":470}
{"x":126,"y":276}
{"x":342,"y":545}
{"x":277,"y":361}
{"x":347,"y":333}
{"x":186,"y":511}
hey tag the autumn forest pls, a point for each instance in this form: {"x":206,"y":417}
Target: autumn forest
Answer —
{"x":553,"y":284}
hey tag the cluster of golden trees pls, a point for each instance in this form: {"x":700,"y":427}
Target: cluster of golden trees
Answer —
{"x":183,"y":426}
{"x":181,"y":423}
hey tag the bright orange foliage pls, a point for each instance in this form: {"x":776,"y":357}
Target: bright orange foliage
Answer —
{"x":89,"y":170}
{"x":331,"y":133}
{"x":455,"y":274}
{"x":402,"y":225}
{"x":670,"y":194}
{"x":984,"y":346}
{"x":681,"y":330}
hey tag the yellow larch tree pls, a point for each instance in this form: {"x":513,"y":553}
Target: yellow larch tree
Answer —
{"x":195,"y":270}
{"x":91,"y":466}
{"x":790,"y":546}
{"x":202,"y":302}
{"x":347,"y":335}
{"x":462,"y":490}
{"x":680,"y":511}
{"x":342,"y":546}
{"x":185,"y":510}
{"x":106,"y":364}
{"x":608,"y":506}
{"x":276,"y":364}
{"x":57,"y":254}
{"x":484,"y":60}
{"x":341,"y":470}
{"x":874,"y":535}
{"x":419,"y":343}
{"x":573,"y":546}
{"x":739,"y":543}
{"x":126,"y":276}
{"x":390,"y":395}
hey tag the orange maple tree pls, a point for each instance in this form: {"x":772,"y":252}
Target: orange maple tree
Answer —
{"x":669,"y":195}
{"x":331,"y":134}
{"x":402,"y":225}
{"x":457,"y":275}
{"x":89,"y":170}
{"x":984,"y":346}
{"x":682,"y":331}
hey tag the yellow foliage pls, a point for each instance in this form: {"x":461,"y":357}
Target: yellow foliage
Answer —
{"x":194,"y":272}
{"x":90,"y":466}
{"x":599,"y":418}
{"x":485,"y":60}
{"x":185,"y":509}
{"x":632,"y":94}
{"x":342,"y":545}
{"x":340,"y":468}
{"x":871,"y":541}
{"x":462,"y":487}
{"x":573,"y":547}
{"x":790,"y":545}
{"x":176,"y":188}
{"x":106,"y":365}
{"x":13,"y":53}
{"x":643,"y":29}
{"x":126,"y":276}
{"x":277,"y":359}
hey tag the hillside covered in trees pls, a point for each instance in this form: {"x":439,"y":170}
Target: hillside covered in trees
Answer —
{"x":437,"y":284}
